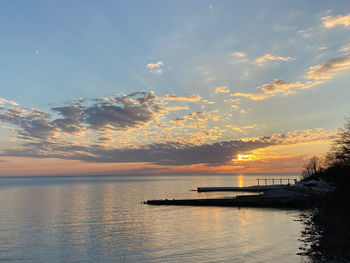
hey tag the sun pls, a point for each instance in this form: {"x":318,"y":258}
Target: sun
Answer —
{"x":245,"y":157}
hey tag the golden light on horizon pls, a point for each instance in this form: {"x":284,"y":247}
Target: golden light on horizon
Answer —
{"x":245,"y":157}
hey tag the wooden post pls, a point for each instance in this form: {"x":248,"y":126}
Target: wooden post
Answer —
{"x":288,"y":180}
{"x":280,"y":181}
{"x":258,"y":181}
{"x":273,"y":181}
{"x":265,"y":182}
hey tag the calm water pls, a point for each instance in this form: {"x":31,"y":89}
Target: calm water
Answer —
{"x":101,"y":219}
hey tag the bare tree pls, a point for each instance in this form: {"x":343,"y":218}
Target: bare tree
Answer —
{"x":312,"y":167}
{"x":340,"y":151}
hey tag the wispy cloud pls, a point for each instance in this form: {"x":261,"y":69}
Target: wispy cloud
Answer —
{"x":239,"y":54}
{"x":156,"y":67}
{"x":268,"y":57}
{"x":328,"y":69}
{"x":332,"y":21}
{"x":277,"y":86}
{"x":175,"y":108}
{"x":345,"y":48}
{"x":196,"y":116}
{"x":7,"y":102}
{"x":189,"y":98}
{"x":222,"y":89}
{"x":307,"y":32}
{"x":243,"y":128}
{"x":316,"y":74}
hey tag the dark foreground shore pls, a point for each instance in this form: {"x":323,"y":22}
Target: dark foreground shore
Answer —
{"x":327,"y":232}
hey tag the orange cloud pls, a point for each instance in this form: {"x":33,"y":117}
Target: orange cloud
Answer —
{"x":317,"y":75}
{"x":328,"y":69}
{"x":332,"y":21}
{"x":222,"y":89}
{"x":9,"y":102}
{"x":269,"y":57}
{"x":239,"y":54}
{"x":277,"y":86}
{"x":155,"y":67}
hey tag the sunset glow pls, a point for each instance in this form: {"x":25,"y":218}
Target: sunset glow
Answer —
{"x":184,"y":88}
{"x":245,"y":157}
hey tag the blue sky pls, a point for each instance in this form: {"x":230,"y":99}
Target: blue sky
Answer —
{"x":218,"y":71}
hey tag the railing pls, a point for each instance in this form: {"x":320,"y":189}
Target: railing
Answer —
{"x":280,"y":180}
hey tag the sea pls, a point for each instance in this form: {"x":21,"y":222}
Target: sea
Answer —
{"x":101,"y":218}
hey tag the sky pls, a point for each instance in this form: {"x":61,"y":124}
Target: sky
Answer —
{"x":166,"y":87}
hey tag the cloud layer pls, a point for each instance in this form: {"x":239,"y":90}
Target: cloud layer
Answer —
{"x":116,"y":113}
{"x":169,"y":153}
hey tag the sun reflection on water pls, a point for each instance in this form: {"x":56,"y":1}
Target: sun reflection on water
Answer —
{"x":240,"y":180}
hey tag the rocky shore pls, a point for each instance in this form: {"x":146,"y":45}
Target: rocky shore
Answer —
{"x":327,"y":231}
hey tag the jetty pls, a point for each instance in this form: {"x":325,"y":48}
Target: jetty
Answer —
{"x":268,"y":184}
{"x":273,"y":199}
{"x":300,"y":195}
{"x":254,"y":188}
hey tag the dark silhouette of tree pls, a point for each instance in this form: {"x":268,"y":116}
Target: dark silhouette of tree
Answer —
{"x":340,"y":151}
{"x":311,"y":168}
{"x":330,"y":229}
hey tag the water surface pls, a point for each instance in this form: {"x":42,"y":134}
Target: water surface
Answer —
{"x":101,"y":219}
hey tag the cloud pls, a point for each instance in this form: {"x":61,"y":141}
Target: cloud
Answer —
{"x":252,"y":96}
{"x":222,"y":89}
{"x":198,"y":116}
{"x":163,"y":153}
{"x":307,"y":32}
{"x":316,"y":74}
{"x":32,"y":124}
{"x":116,"y":113}
{"x":170,"y":153}
{"x":268,"y":90}
{"x":345,"y":48}
{"x":122,"y":112}
{"x":155,"y":67}
{"x":243,"y":128}
{"x":174,"y":108}
{"x":302,"y":136}
{"x":194,"y":116}
{"x":328,"y":69}
{"x":239,"y":54}
{"x":189,"y":98}
{"x":268,"y":57}
{"x":278,"y":86}
{"x":332,"y":21}
{"x":71,"y":123}
{"x":7,"y":102}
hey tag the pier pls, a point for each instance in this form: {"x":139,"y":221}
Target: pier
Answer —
{"x":270,"y":195}
{"x":285,"y":200}
{"x":256,"y":188}
{"x":253,"y":189}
